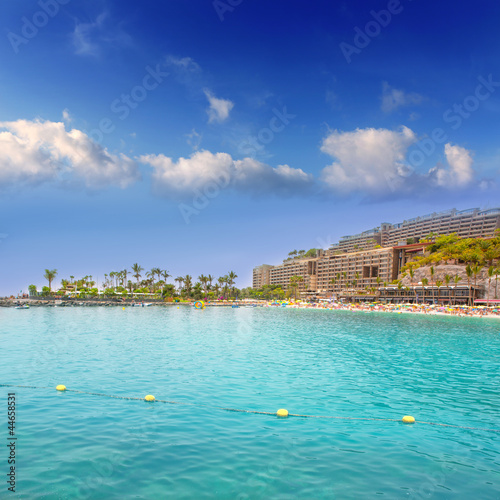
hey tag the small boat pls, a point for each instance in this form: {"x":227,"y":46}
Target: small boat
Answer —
{"x":24,"y":306}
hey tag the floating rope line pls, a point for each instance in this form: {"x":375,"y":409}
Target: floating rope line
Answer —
{"x":255,"y":412}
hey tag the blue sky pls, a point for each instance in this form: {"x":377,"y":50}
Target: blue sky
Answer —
{"x":209,"y":136}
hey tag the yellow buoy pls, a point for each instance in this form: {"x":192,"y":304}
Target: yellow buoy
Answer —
{"x":61,"y":387}
{"x":282,"y":413}
{"x":407,"y":419}
{"x":149,"y":398}
{"x":123,"y":308}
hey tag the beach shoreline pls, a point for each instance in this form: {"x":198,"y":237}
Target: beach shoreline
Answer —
{"x":420,"y":309}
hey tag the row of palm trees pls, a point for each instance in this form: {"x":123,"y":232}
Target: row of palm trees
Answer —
{"x":475,"y":253}
{"x":472,"y":271}
{"x":155,"y":281}
{"x":223,"y":284}
{"x":341,"y":282}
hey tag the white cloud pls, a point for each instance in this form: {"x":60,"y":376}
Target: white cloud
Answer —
{"x":393,"y":99}
{"x":183,"y":63}
{"x":203,"y":168}
{"x":459,"y":172}
{"x":83,"y":35}
{"x":186,"y":71}
{"x":367,"y":160}
{"x":67,"y":118}
{"x":194,"y":139}
{"x":33,"y":152}
{"x":219,"y":109}
{"x":90,"y":38}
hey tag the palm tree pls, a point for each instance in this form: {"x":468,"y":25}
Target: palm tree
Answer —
{"x":179,"y":280}
{"x":204,"y":281}
{"x":294,"y":283}
{"x":222,"y":284}
{"x":231,"y":277}
{"x":439,"y":284}
{"x":497,"y":272}
{"x":210,"y":278}
{"x":447,"y":279}
{"x":491,"y":273}
{"x":50,"y":275}
{"x":411,"y":272}
{"x":151,"y":282}
{"x":137,"y":269}
{"x":468,"y":272}
{"x":476,"y":269}
{"x":155,"y":271}
{"x":431,"y":270}
{"x":188,"y":284}
{"x":400,"y":286}
{"x":165,"y":275}
{"x":425,"y":282}
{"x":456,"y":279}
{"x":332,"y":282}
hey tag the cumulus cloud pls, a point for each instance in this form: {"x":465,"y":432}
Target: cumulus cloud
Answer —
{"x":219,"y":109}
{"x":32,"y":152}
{"x":393,"y":99}
{"x":203,"y":169}
{"x":367,"y":160}
{"x":459,"y":172}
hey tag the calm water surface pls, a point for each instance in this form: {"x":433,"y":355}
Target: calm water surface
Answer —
{"x":70,"y":445}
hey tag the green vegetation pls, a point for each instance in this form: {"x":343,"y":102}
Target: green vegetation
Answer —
{"x":453,"y":249}
{"x":267,"y":292}
{"x":294,"y":284}
{"x":301,"y":254}
{"x":150,"y":284}
{"x":473,"y":253}
{"x":49,"y":276}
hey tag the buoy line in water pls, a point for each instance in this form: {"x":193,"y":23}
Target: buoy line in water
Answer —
{"x":280,"y":413}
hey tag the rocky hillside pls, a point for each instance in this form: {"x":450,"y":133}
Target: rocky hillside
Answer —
{"x":442,"y":269}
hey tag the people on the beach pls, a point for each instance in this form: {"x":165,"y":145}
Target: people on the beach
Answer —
{"x":429,"y":309}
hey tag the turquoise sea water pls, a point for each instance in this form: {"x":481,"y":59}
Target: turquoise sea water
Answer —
{"x":344,"y":364}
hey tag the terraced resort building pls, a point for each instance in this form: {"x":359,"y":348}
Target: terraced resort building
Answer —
{"x":374,"y":257}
